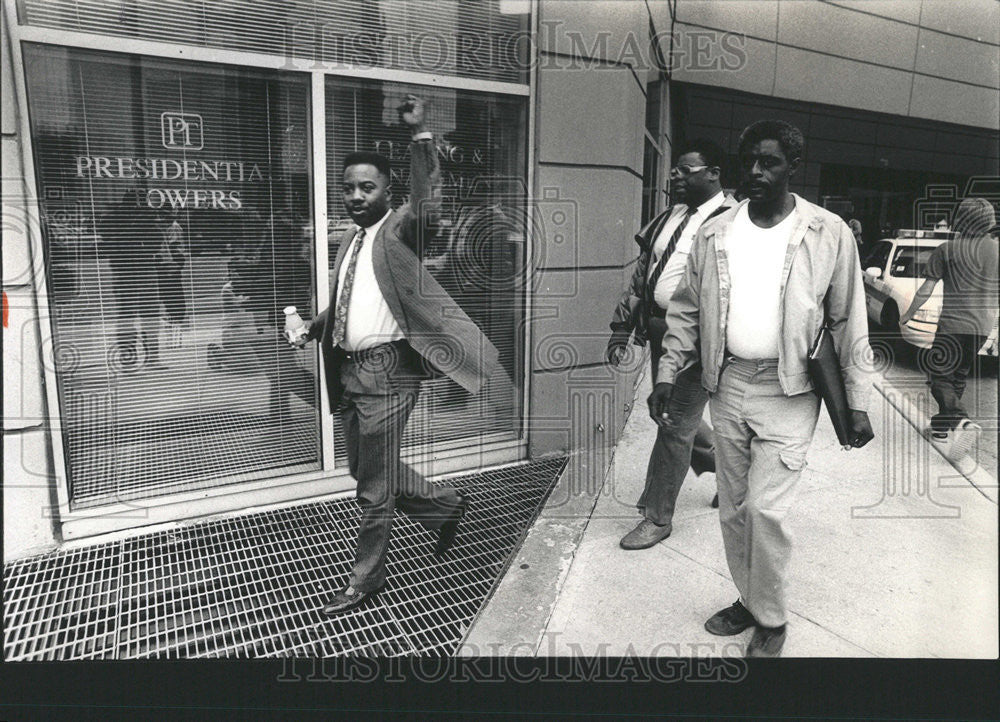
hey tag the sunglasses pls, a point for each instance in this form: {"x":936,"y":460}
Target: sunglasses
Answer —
{"x":685,"y":170}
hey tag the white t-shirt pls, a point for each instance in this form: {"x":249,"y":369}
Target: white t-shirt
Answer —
{"x":369,"y":320}
{"x":756,"y":260}
{"x":667,"y":283}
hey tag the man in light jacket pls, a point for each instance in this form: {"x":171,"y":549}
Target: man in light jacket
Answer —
{"x":762,"y":280}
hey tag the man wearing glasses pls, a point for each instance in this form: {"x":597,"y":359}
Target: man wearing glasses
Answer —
{"x":664,"y":245}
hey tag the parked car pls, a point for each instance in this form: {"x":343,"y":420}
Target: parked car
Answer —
{"x":894,"y":270}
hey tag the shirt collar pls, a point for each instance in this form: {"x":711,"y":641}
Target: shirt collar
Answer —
{"x":710,"y":205}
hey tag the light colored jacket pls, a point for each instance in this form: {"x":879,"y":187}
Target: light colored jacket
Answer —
{"x":820,"y":283}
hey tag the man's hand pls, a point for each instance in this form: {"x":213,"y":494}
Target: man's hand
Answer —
{"x":411,"y":112}
{"x":658,"y":401}
{"x":861,"y":429}
{"x":301,"y":340}
{"x":617,"y":346}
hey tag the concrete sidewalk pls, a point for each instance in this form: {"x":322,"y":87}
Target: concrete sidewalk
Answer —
{"x":895,"y":555}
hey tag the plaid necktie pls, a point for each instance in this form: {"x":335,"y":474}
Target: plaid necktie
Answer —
{"x":344,"y":299}
{"x":664,"y":257}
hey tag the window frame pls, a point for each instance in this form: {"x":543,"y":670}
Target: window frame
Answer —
{"x":436,"y":459}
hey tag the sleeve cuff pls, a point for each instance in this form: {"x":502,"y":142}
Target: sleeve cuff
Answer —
{"x":665,"y":373}
{"x":423,"y":135}
{"x":858,"y":399}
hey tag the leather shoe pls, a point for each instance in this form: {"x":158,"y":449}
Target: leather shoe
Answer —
{"x":448,"y":530}
{"x":767,"y":642}
{"x":346,"y":599}
{"x":715,"y":501}
{"x":731,"y":620}
{"x":645,"y":535}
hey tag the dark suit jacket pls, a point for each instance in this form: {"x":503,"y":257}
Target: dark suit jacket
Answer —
{"x":631,"y":316}
{"x":433,"y":324}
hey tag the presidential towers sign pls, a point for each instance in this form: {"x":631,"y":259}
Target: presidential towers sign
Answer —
{"x":179,"y":132}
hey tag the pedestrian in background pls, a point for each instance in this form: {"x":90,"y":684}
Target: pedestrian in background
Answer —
{"x":855,"y":225}
{"x":967,"y":266}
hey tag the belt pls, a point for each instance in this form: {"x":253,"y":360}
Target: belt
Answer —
{"x":367,"y":354}
{"x":758,"y":362}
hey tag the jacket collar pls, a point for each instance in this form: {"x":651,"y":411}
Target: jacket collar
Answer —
{"x":809,"y":216}
{"x":651,"y":230}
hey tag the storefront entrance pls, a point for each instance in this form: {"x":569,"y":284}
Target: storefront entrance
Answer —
{"x":178,"y":205}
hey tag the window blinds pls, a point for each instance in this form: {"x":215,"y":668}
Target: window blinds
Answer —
{"x":478,"y":252}
{"x":176,"y":204}
{"x":476,"y":39}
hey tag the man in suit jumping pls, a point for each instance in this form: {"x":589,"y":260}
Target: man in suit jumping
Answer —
{"x":387,"y":316}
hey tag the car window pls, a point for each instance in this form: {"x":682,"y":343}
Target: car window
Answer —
{"x":879,"y":255}
{"x":909,"y":262}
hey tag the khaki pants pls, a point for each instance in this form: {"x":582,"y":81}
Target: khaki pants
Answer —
{"x":761,"y":439}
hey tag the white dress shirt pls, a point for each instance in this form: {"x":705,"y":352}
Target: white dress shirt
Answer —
{"x":756,"y":260}
{"x":369,"y":320}
{"x":672,"y":272}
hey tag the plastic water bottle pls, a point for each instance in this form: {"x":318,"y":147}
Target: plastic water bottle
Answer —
{"x":295,"y":327}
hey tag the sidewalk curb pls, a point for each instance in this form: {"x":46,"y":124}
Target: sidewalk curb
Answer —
{"x":968,"y":467}
{"x":515,"y":617}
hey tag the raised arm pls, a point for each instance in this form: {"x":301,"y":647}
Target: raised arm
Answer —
{"x":420,"y":213}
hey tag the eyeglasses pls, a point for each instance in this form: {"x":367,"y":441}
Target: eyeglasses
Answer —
{"x":685,"y":170}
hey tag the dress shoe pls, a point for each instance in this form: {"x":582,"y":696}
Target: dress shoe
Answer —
{"x":448,"y":530}
{"x":645,"y":535}
{"x":715,"y":501}
{"x":346,"y":599}
{"x":767,"y":642}
{"x":731,"y":620}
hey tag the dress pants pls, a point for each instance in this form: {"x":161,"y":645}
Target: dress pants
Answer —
{"x":953,"y":356}
{"x":687,"y":442}
{"x":378,"y":395}
{"x":761,"y":440}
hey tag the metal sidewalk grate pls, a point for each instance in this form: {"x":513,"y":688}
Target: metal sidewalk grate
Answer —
{"x":253,"y":585}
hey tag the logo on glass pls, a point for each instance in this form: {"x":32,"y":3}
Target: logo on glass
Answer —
{"x":181,"y":131}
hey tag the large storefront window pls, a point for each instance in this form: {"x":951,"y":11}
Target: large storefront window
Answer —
{"x":478,"y":253}
{"x":176,"y":204}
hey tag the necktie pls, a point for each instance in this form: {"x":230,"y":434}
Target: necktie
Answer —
{"x":664,"y":257}
{"x":344,"y":299}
